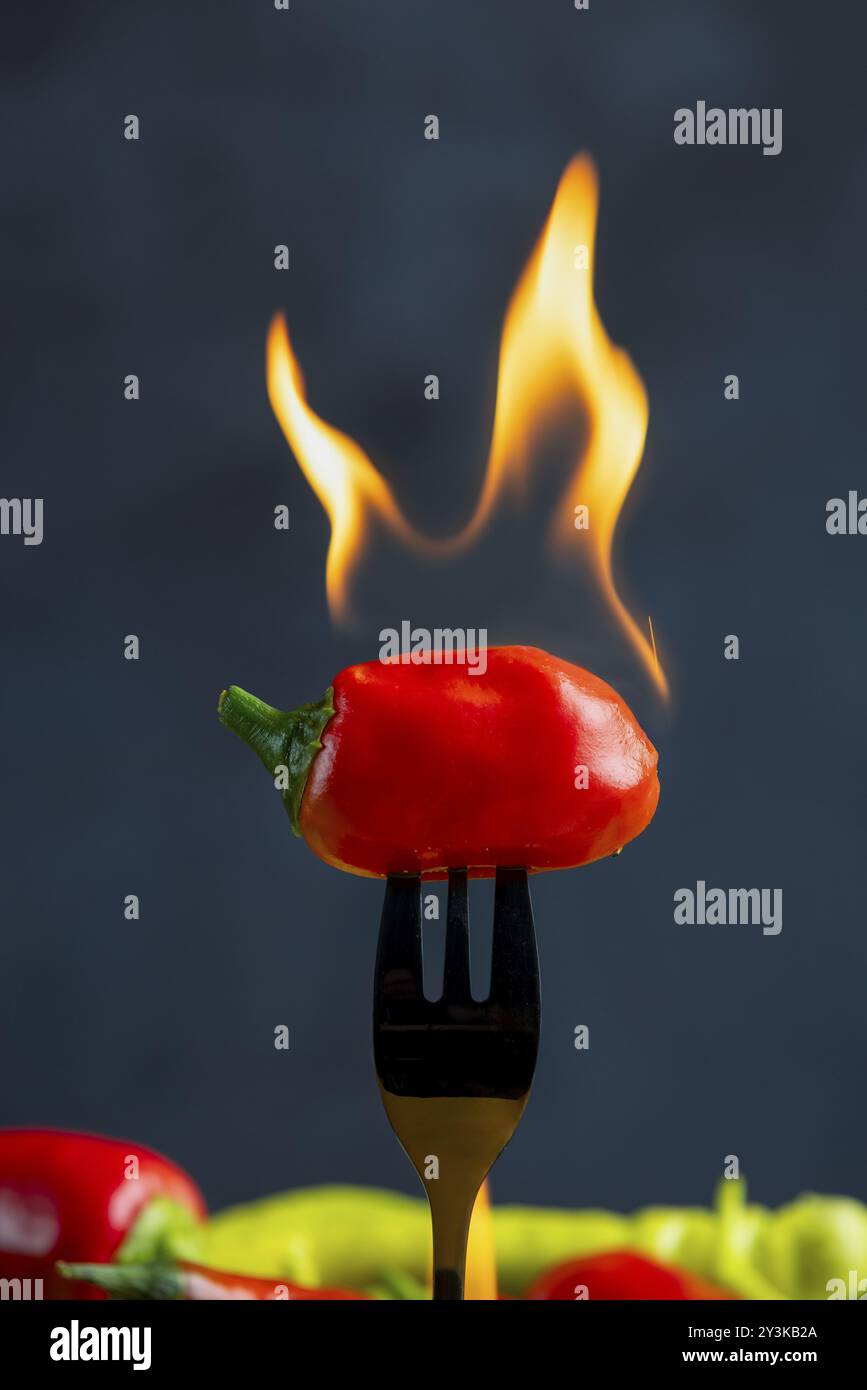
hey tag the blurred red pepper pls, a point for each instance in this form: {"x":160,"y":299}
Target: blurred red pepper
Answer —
{"x":67,"y":1196}
{"x":621,"y":1275}
{"x":196,"y":1283}
{"x":425,"y":768}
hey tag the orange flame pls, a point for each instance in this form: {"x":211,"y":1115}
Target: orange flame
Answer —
{"x":338,"y":470}
{"x":554,"y":349}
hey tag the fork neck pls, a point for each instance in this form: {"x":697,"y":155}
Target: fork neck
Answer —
{"x":451,"y":1212}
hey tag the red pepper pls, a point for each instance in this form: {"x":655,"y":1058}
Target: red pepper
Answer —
{"x":405,"y":768}
{"x":621,"y":1275}
{"x":196,"y":1283}
{"x":66,"y":1196}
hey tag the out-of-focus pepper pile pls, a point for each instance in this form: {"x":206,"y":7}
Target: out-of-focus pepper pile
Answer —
{"x":139,"y":1225}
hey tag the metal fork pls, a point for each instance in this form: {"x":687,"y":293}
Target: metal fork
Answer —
{"x":455,"y":1075}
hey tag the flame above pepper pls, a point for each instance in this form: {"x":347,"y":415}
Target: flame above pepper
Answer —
{"x":553,"y":350}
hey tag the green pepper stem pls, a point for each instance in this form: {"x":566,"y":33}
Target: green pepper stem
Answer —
{"x":286,"y":741}
{"x":156,"y":1281}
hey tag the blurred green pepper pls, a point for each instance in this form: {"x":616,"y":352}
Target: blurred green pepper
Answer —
{"x":360,"y":1231}
{"x":352,"y":1237}
{"x":811,"y":1241}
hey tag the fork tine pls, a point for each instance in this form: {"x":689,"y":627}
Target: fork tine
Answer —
{"x":514,"y":960}
{"x":398,"y":954}
{"x":457,"y":955}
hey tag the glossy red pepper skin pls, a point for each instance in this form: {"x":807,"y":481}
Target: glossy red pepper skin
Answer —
{"x":66,"y":1196}
{"x":622,"y":1274}
{"x":198,"y":1284}
{"x":427,"y":768}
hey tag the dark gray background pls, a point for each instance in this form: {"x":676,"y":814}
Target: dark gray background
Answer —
{"x":260,"y":127}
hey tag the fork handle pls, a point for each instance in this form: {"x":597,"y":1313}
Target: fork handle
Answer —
{"x":448,"y":1286}
{"x":450,"y":1217}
